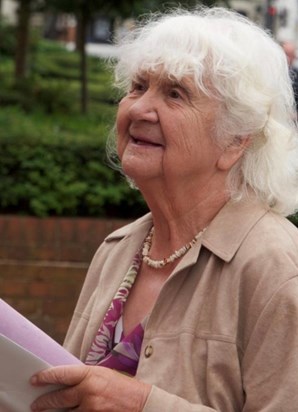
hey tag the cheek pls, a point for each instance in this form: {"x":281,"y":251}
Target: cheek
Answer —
{"x":121,"y":118}
{"x":197,"y":137}
{"x":189,"y":132}
{"x":122,"y":126}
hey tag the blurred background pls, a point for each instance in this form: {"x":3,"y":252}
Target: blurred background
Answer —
{"x":59,"y":198}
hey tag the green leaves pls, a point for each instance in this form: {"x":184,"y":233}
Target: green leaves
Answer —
{"x":62,"y":179}
{"x":52,"y":158}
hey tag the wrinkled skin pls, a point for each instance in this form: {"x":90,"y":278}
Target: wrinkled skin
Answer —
{"x":90,"y":388}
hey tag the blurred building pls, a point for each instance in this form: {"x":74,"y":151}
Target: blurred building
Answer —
{"x":284,"y":19}
{"x":278,"y":16}
{"x":253,"y":9}
{"x":9,"y":10}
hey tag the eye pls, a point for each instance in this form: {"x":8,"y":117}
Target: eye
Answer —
{"x":137,"y":86}
{"x":175,"y":94}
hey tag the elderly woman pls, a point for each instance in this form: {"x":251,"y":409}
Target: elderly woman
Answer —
{"x":198,"y":300}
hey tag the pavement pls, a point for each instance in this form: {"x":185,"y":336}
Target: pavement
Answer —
{"x":97,"y":49}
{"x":101,"y":50}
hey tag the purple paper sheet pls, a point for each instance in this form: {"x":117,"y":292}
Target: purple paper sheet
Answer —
{"x":23,"y":332}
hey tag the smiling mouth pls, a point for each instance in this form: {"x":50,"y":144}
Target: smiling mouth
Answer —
{"x":143,"y":142}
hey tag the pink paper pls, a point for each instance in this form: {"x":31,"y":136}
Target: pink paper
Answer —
{"x":23,"y":332}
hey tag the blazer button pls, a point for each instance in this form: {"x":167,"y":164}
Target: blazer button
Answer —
{"x":148,"y":351}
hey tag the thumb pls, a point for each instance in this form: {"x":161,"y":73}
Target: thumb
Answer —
{"x":60,"y":375}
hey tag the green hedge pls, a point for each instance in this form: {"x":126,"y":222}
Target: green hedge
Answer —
{"x":56,"y":166}
{"x":52,"y":157}
{"x":62,"y":178}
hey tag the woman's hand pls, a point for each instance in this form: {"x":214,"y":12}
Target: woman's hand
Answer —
{"x":90,"y":388}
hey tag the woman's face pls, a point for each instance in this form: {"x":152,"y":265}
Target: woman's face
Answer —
{"x":165,"y":130}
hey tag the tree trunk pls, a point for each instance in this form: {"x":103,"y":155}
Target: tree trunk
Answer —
{"x":78,"y":34}
{"x":22,"y":37}
{"x":50,"y":31}
{"x":83,"y":23}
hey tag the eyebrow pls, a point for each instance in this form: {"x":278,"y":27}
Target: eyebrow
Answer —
{"x":138,"y":77}
{"x":181,"y":85}
{"x":166,"y":82}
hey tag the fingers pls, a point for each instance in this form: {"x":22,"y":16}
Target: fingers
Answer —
{"x":61,"y":375}
{"x":64,"y":398}
{"x":90,"y":388}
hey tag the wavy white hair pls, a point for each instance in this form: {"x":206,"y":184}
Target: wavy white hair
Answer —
{"x":236,"y":62}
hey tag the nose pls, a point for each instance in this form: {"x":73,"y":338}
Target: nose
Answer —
{"x":144,"y":108}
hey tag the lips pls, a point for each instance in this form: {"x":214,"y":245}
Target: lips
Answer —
{"x":141,"y":142}
{"x":144,"y":141}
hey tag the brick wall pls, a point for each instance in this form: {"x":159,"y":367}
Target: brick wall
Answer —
{"x":43,"y":263}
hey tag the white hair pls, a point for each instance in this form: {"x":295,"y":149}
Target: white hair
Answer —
{"x":236,"y":62}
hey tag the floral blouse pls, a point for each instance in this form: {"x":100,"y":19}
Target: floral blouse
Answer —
{"x":124,"y":355}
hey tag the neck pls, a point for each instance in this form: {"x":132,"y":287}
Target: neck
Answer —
{"x":177,"y":254}
{"x":179,"y":217}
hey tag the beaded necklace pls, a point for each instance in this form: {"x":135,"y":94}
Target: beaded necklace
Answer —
{"x":157,"y":264}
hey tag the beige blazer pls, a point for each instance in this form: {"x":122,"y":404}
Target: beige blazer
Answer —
{"x":223,"y":334}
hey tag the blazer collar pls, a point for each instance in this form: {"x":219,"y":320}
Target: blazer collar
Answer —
{"x":223,"y":236}
{"x":231,"y":225}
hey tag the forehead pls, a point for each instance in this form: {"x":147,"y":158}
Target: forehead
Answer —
{"x":195,"y":97}
{"x":164,"y":78}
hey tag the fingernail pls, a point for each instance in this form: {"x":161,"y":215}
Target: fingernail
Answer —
{"x":33,"y":380}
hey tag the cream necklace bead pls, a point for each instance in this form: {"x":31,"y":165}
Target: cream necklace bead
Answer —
{"x":157,"y":264}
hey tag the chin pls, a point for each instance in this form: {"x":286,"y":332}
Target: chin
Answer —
{"x":131,"y":183}
{"x":135,"y":168}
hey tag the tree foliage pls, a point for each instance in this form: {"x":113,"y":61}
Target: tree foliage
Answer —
{"x":62,"y":178}
{"x":84,"y":11}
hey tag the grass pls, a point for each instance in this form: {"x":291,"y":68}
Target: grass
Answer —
{"x":16,"y":123}
{"x":47,"y":104}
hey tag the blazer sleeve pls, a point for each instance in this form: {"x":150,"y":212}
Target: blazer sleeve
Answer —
{"x":160,"y":400}
{"x":269,"y":365}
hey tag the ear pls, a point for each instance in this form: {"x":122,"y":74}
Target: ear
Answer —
{"x":233,"y":152}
